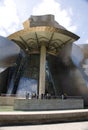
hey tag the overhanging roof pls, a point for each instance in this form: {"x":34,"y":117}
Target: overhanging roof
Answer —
{"x":54,"y":37}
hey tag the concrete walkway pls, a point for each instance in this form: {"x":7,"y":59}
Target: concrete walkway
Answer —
{"x":38,"y":117}
{"x":62,"y":126}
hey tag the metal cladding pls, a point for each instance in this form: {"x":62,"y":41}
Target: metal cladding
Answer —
{"x":65,"y":63}
{"x":8,"y":53}
{"x":71,"y":71}
{"x":80,"y":59}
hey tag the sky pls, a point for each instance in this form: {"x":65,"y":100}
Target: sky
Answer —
{"x":72,"y":14}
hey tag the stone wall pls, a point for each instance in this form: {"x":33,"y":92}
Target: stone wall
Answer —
{"x":48,"y":104}
{"x":7,"y":101}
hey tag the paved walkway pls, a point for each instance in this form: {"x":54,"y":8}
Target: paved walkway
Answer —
{"x":62,"y":126}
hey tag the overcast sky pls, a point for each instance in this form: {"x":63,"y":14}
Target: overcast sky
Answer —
{"x":72,"y":14}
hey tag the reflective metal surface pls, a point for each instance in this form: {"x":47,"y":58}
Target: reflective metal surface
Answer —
{"x":2,"y":69}
{"x":8,"y":52}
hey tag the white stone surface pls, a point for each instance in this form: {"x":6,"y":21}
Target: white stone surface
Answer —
{"x":62,"y":126}
{"x":48,"y":104}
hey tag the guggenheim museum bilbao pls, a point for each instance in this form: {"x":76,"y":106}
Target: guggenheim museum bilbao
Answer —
{"x":43,"y":58}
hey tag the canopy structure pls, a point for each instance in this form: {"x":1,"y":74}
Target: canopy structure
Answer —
{"x":42,"y":35}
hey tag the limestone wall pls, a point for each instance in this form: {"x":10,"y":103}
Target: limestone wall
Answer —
{"x":7,"y":101}
{"x":48,"y":104}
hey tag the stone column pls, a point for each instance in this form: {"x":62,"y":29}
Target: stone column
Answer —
{"x":42,"y":70}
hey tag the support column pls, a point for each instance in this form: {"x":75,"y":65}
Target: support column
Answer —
{"x":42,"y":70}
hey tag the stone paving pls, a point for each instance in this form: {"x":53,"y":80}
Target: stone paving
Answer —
{"x":62,"y":126}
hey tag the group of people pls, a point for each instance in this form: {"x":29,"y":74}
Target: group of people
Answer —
{"x":31,"y":96}
{"x":34,"y":95}
{"x":43,"y":96}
